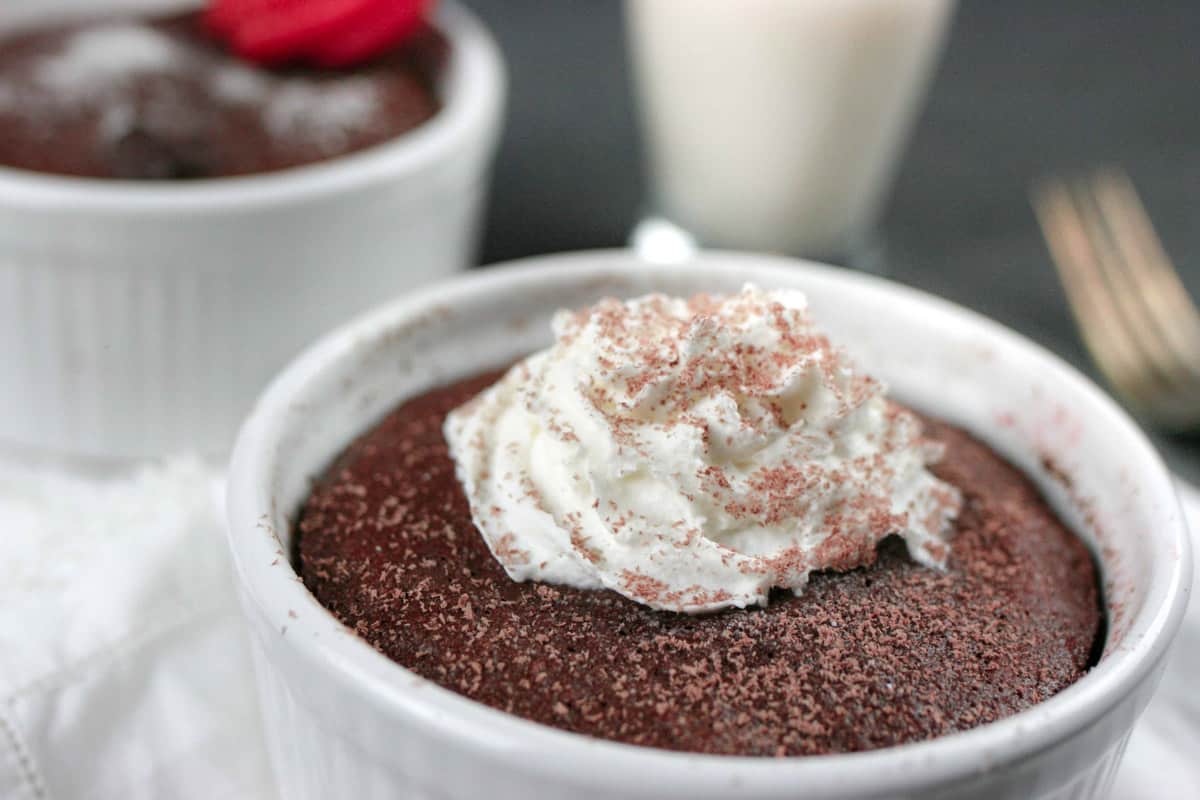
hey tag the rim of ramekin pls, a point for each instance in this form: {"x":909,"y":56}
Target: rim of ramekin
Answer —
{"x":275,"y":592}
{"x":473,"y":90}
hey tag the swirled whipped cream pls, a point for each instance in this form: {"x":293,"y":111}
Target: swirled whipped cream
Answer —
{"x":694,"y":454}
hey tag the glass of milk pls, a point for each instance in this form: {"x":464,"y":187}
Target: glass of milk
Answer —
{"x":776,"y":125}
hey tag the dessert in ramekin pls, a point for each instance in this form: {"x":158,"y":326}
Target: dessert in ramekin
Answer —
{"x":161,"y":97}
{"x":140,"y":316}
{"x":342,"y":717}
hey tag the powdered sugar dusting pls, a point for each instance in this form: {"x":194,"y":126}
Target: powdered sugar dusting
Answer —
{"x":235,"y":83}
{"x":128,"y":71}
{"x":694,"y":454}
{"x":107,"y":56}
{"x":323,"y":112}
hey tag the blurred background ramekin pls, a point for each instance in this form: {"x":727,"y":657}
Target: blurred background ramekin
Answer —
{"x":343,"y":720}
{"x":138,"y":319}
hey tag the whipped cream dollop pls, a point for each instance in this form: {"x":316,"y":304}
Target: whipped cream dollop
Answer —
{"x":694,"y":454}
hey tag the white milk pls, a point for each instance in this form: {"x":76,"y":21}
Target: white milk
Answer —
{"x":776,"y":124}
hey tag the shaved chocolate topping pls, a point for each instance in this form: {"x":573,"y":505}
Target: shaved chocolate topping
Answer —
{"x":891,"y":653}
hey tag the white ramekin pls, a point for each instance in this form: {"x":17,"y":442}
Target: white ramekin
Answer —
{"x":342,"y":720}
{"x":140,"y":318}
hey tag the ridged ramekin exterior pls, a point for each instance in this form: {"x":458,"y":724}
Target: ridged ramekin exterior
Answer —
{"x":343,"y":720}
{"x":138,"y":320}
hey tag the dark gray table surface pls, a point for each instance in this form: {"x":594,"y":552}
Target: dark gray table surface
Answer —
{"x":1025,"y":87}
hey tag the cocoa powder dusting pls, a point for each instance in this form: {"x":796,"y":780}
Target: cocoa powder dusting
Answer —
{"x":890,"y":653}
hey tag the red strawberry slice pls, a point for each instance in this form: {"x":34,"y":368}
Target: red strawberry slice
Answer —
{"x":372,"y":31}
{"x":288,"y":29}
{"x":224,"y":16}
{"x":330,"y":32}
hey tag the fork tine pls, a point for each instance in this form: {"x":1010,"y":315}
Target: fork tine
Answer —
{"x":1075,"y":260}
{"x":1121,"y":287}
{"x":1166,"y":300}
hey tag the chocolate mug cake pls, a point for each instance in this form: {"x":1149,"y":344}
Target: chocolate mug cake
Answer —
{"x":161,"y":98}
{"x":816,"y":569}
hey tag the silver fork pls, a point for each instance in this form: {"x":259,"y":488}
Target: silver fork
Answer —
{"x":1136,"y":318}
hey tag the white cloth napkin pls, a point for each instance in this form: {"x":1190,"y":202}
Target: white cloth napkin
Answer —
{"x":124,"y":670}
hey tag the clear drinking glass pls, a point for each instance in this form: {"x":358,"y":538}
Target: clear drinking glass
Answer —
{"x":776,"y":125}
